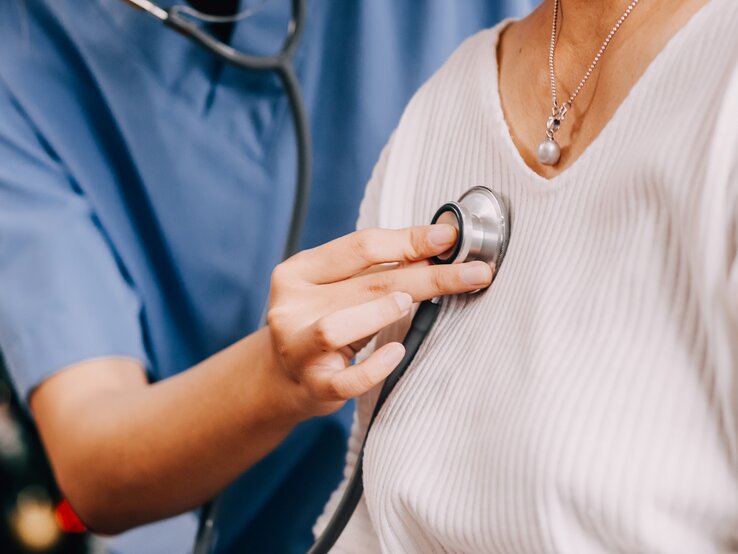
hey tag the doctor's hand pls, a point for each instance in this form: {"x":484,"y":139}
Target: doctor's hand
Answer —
{"x":328,"y":302}
{"x":205,"y":426}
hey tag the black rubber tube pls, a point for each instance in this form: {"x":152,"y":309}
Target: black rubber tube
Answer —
{"x":419,"y":328}
{"x":281,"y":64}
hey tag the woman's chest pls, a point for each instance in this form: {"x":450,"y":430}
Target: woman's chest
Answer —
{"x":571,"y":406}
{"x":531,"y":427}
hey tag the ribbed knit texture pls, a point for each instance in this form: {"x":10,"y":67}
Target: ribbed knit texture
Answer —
{"x":588,"y":401}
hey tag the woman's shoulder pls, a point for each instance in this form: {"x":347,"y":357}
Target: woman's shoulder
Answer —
{"x":481,"y":44}
{"x":461,"y":83}
{"x":458,"y":78}
{"x":438,"y":114}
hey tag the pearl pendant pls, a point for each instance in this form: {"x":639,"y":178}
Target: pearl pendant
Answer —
{"x":549,"y":152}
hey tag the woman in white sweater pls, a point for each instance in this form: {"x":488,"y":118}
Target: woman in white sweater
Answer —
{"x":588,"y":401}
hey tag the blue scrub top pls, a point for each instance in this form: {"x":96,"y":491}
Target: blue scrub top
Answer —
{"x":146,"y":189}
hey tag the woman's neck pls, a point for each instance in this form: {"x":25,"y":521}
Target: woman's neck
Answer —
{"x":525,"y":88}
{"x":581,"y":20}
{"x":583,"y":25}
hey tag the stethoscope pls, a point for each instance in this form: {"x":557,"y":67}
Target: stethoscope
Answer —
{"x":480,"y":216}
{"x":482,"y":220}
{"x":181,"y":19}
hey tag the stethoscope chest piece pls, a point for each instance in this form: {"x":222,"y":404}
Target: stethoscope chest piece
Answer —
{"x":482,"y":219}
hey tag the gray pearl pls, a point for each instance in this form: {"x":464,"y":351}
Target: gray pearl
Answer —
{"x":549,"y":152}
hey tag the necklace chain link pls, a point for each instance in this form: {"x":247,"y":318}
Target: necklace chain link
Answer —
{"x":556,"y":110}
{"x":549,"y":151}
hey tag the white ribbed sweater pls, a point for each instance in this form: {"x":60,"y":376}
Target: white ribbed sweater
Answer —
{"x":588,"y":401}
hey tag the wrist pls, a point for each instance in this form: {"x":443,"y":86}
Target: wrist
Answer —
{"x":279,"y":397}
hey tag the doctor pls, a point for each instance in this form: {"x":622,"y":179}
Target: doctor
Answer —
{"x":145,"y":196}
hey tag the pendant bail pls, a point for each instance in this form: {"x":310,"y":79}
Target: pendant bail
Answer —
{"x":552,"y":126}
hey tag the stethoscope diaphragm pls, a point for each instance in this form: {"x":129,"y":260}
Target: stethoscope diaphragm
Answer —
{"x":482,"y":219}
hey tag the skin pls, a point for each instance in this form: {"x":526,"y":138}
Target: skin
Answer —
{"x":126,"y":452}
{"x":525,"y":90}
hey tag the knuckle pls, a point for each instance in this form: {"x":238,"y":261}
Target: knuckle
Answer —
{"x":283,"y":350}
{"x":365,"y":244}
{"x":333,"y":389}
{"x":440,"y":280}
{"x":326,"y":335}
{"x":276,"y":318}
{"x":303,"y":257}
{"x":279,"y":333}
{"x":362,"y":380}
{"x":280,"y":276}
{"x":417,"y":245}
{"x":380,"y":285}
{"x":326,"y":388}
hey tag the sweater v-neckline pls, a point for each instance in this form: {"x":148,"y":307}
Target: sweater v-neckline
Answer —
{"x":493,"y":99}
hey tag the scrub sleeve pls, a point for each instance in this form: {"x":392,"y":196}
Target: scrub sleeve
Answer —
{"x":63,"y":296}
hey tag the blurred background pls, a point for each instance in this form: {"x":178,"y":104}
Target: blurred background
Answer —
{"x":33,"y":516}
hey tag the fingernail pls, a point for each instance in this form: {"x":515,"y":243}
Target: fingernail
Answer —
{"x":393,"y":355}
{"x":476,"y":274}
{"x":404,"y":300}
{"x":441,"y":235}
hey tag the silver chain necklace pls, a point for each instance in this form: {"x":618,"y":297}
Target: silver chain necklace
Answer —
{"x":549,"y":151}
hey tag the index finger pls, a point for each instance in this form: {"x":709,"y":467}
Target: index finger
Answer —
{"x":346,"y":256}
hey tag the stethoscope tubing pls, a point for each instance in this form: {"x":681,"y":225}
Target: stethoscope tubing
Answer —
{"x":421,"y":325}
{"x":281,"y":64}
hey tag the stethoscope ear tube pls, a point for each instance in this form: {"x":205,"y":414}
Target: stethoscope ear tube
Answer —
{"x":419,"y":328}
{"x":175,"y":17}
